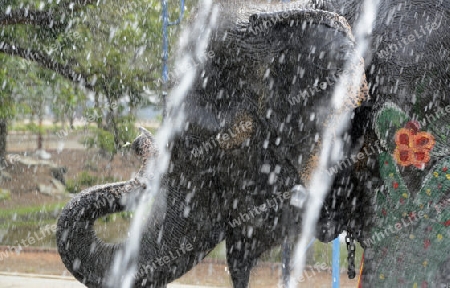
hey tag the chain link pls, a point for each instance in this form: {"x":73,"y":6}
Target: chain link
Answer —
{"x":350,"y":240}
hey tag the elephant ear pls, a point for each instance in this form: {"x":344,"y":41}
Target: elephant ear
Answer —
{"x":277,"y":68}
{"x":281,"y":69}
{"x":305,"y":55}
{"x":295,"y":59}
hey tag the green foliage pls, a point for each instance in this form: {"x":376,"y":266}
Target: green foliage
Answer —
{"x":7,"y":107}
{"x":34,"y":128}
{"x":159,"y":118}
{"x":322,"y":254}
{"x":32,"y":212}
{"x":66,"y":99}
{"x":23,"y":108}
{"x":101,"y":139}
{"x":125,"y":215}
{"x":72,"y":186}
{"x":114,"y":45}
{"x":219,"y":252}
{"x":84,"y":180}
{"x":104,"y":140}
{"x":5,"y":194}
{"x":108,"y":218}
{"x":126,"y":129}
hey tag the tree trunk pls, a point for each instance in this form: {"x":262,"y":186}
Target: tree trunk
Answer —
{"x":3,"y":136}
{"x":39,"y":139}
{"x":115,"y":129}
{"x":71,"y":117}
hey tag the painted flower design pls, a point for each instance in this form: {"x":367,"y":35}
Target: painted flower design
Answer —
{"x":413,"y":146}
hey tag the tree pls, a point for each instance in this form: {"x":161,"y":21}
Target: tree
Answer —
{"x":111,"y":48}
{"x":6,"y":103}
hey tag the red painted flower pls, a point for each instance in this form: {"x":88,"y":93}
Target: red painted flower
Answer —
{"x":414,"y":126}
{"x":413,"y":146}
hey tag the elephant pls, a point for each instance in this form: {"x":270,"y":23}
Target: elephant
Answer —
{"x":240,"y":170}
{"x":233,"y":168}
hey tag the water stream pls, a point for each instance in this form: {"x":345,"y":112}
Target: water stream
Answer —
{"x":329,"y":155}
{"x":125,"y":264}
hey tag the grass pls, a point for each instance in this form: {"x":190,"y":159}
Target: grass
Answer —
{"x":219,"y":252}
{"x":5,"y":194}
{"x":46,"y":214}
{"x":21,"y":222}
{"x":16,"y":224}
{"x":114,"y":226}
{"x":27,"y":210}
{"x":322,"y":253}
{"x":84,"y":179}
{"x":33,"y":127}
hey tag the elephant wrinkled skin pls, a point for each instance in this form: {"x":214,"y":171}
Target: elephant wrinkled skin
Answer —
{"x":250,"y":91}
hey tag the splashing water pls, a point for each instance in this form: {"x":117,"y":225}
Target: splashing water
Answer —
{"x":124,"y":266}
{"x":321,"y":181}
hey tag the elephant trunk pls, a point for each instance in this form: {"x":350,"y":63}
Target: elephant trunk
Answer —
{"x":86,"y":256}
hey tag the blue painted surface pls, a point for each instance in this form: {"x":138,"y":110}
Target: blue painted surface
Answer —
{"x":166,"y":24}
{"x":335,"y":263}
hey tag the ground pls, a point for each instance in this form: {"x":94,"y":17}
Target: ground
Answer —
{"x":25,"y":179}
{"x":207,"y":273}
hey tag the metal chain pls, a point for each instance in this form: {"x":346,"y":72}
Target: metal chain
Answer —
{"x":350,"y":254}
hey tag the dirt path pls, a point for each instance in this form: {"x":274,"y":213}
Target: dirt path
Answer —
{"x":24,"y":141}
{"x":204,"y":274}
{"x":40,"y":281}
